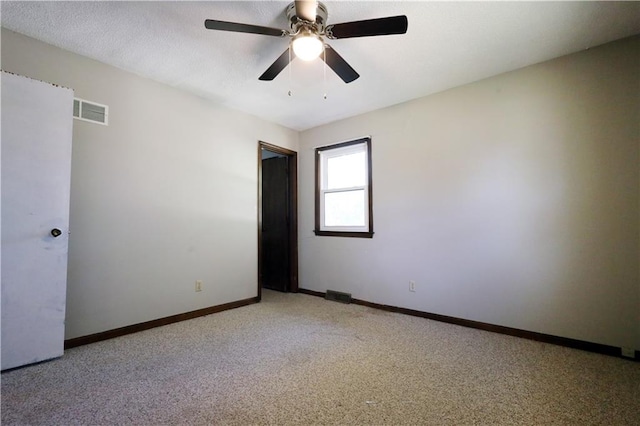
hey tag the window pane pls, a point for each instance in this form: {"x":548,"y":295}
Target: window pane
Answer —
{"x":346,"y":171}
{"x":344,"y":208}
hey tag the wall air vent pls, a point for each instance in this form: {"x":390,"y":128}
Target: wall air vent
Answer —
{"x":338,"y":296}
{"x":90,"y":111}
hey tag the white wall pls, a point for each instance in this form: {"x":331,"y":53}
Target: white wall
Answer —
{"x":511,"y":201}
{"x":163,"y":196}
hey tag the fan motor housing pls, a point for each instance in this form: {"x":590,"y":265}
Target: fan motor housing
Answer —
{"x":295,"y":23}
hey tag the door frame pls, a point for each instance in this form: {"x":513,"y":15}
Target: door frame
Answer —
{"x":292,"y":176}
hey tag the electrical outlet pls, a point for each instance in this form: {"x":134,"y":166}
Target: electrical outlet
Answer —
{"x":412,"y":286}
{"x":628,"y":352}
{"x":198,"y":285}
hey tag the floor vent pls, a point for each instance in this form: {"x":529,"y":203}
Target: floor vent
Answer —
{"x":338,"y":296}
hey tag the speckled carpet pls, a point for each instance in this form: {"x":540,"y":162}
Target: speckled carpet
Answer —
{"x":296,"y":359}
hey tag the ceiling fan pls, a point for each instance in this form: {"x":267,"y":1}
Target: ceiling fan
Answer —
{"x":307,"y":29}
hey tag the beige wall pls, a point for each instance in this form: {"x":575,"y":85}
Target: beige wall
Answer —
{"x":512,"y":201}
{"x":163,"y":196}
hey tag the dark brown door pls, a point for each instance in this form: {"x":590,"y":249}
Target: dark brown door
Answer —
{"x":275,"y":224}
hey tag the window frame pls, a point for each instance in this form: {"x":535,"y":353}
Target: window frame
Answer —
{"x":320,"y":163}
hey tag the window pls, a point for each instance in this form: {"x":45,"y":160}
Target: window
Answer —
{"x":343,"y":189}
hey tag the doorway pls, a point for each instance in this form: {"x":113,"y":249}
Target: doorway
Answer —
{"x":277,"y":219}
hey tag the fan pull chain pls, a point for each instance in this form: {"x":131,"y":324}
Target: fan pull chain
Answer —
{"x":324,"y":73}
{"x":290,"y":66}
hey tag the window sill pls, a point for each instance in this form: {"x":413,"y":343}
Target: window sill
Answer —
{"x":343,"y":234}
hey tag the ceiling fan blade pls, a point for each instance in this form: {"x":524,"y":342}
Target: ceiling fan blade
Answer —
{"x":339,"y":65}
{"x":275,"y":68}
{"x":306,"y":9}
{"x":212,"y":24}
{"x":369,"y":27}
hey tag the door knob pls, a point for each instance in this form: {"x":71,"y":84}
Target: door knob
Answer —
{"x":56,"y":232}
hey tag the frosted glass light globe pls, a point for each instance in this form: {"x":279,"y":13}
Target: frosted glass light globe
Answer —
{"x":307,"y":47}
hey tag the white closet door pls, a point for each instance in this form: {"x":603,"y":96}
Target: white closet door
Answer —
{"x":36,"y":128}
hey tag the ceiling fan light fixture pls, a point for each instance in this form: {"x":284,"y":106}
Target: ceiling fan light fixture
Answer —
{"x":307,"y":46}
{"x":307,"y":30}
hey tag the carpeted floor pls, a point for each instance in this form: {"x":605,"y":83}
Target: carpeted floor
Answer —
{"x":300,"y":360}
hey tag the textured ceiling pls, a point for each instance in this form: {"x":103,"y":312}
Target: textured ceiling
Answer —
{"x":447,"y":44}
